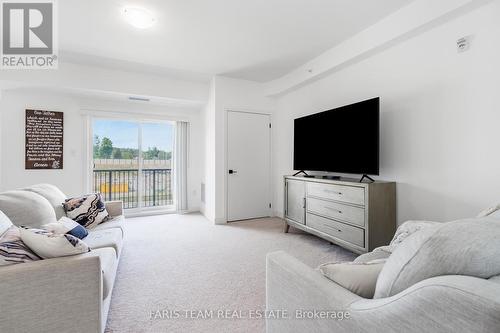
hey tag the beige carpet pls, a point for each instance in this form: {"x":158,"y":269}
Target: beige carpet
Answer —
{"x":178,"y":263}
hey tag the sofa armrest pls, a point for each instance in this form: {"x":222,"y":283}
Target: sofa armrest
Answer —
{"x":441,"y":304}
{"x":54,"y":295}
{"x":114,"y":208}
{"x":293,"y":286}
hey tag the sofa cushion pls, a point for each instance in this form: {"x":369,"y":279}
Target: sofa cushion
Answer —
{"x":112,"y":237}
{"x":49,"y":245}
{"x":5,"y":223}
{"x":13,"y":250}
{"x":65,"y":225}
{"x":455,"y":248}
{"x":113,"y":223}
{"x":109,"y":264}
{"x":404,"y":231}
{"x":53,"y":195}
{"x":26,"y":208}
{"x":88,"y":210}
{"x":370,"y":256}
{"x":358,"y":277}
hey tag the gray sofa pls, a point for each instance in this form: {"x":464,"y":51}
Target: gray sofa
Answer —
{"x":447,"y":303}
{"x":67,"y":294}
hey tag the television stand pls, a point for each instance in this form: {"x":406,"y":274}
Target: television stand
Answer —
{"x":367,"y":177}
{"x":354,"y":215}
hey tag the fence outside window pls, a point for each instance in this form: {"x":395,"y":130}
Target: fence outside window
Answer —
{"x":123,"y":184}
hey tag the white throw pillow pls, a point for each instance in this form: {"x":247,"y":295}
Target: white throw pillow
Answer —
{"x":358,"y":277}
{"x":66,"y":225}
{"x":50,"y":245}
{"x":5,"y":223}
{"x":464,"y":247}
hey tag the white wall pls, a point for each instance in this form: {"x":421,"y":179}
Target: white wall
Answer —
{"x":208,"y":176}
{"x":226,"y":94}
{"x":72,"y":179}
{"x":439,"y":117}
{"x":13,"y":175}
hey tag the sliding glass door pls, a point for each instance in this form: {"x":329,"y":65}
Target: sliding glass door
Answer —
{"x":132,"y":162}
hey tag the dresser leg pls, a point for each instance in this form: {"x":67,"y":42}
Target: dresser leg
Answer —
{"x":287,"y":227}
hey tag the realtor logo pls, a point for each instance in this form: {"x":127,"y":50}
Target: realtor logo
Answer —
{"x":28,"y":35}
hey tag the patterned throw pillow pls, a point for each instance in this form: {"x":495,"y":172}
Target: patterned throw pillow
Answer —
{"x":88,"y":210}
{"x":66,"y":225}
{"x":49,"y":245}
{"x":13,"y":250}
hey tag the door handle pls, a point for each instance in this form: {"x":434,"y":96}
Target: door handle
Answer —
{"x":232,"y":171}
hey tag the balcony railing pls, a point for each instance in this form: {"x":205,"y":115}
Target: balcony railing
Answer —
{"x":156,"y":186}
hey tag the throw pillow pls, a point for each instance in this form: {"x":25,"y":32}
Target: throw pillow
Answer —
{"x":49,"y":245}
{"x":461,"y":247}
{"x":13,"y":250}
{"x":5,"y":223}
{"x":358,"y":277}
{"x":370,"y":256}
{"x":66,"y":225}
{"x":88,"y":210}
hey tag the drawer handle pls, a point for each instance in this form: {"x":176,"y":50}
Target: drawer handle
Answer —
{"x":334,"y":192}
{"x":330,"y":227}
{"x":335,"y":210}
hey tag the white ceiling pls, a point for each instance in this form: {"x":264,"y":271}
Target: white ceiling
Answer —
{"x":256,"y":40}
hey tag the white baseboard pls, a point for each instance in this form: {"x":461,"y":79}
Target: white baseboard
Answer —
{"x":278,"y":214}
{"x":220,"y":220}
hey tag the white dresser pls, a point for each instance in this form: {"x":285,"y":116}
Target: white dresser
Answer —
{"x":357,"y":216}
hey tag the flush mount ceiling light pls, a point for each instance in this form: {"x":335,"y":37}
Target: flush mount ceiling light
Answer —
{"x":138,"y":17}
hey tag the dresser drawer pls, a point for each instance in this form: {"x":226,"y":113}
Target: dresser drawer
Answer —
{"x":354,"y":215}
{"x":349,"y":194}
{"x":338,"y":230}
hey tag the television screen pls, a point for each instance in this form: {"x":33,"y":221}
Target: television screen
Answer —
{"x":343,"y":140}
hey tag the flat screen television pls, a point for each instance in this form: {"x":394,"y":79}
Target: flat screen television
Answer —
{"x":342,"y":140}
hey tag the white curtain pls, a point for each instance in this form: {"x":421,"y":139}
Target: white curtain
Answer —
{"x":180,"y":165}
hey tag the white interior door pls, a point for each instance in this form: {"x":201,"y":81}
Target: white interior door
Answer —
{"x":248,"y":162}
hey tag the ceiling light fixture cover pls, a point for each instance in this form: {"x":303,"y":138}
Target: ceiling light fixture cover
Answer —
{"x":138,"y":17}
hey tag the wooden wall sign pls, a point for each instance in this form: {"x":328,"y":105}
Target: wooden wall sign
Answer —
{"x":44,"y":139}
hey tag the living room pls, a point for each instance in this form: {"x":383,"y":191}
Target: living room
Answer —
{"x":279,"y":166}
